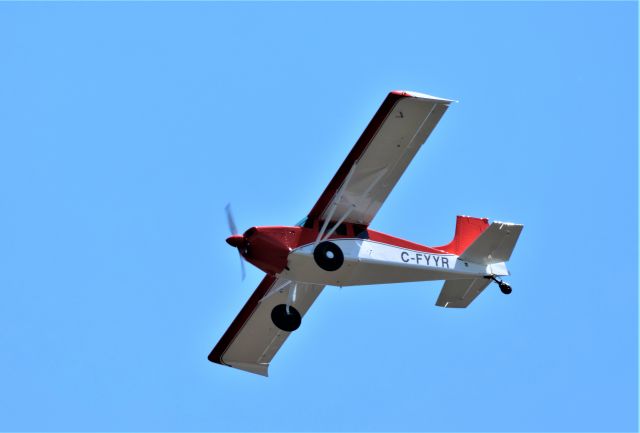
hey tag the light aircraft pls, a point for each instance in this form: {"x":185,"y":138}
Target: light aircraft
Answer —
{"x":334,"y":244}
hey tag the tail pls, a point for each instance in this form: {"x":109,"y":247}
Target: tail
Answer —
{"x":479,"y":242}
{"x":467,"y":230}
{"x":492,"y":246}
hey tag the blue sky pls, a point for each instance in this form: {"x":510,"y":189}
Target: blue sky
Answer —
{"x":127,"y":127}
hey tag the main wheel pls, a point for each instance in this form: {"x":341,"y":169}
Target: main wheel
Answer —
{"x":285,"y":320}
{"x":505,"y":288}
{"x":328,"y":256}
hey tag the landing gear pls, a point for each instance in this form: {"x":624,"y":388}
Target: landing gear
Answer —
{"x":328,"y":256}
{"x":504,"y":287}
{"x":286,"y":318}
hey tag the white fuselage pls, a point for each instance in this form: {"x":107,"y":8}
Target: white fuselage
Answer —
{"x":371,"y":262}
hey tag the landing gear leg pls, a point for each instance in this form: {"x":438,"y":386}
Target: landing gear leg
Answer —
{"x":504,"y":287}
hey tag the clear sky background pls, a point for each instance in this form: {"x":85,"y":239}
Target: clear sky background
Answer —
{"x":125,"y":128}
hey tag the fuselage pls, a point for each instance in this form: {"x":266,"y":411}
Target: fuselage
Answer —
{"x":351,"y":255}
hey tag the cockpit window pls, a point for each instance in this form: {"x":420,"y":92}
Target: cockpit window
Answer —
{"x":341,"y":230}
{"x":306,"y":223}
{"x":360,"y":231}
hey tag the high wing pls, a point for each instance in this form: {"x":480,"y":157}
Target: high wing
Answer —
{"x":252,"y":340}
{"x":382,"y":153}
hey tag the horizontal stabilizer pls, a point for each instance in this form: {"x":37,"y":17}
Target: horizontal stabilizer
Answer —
{"x":494,"y":245}
{"x":460,"y":293}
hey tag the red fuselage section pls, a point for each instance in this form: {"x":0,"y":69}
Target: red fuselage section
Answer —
{"x":268,"y":247}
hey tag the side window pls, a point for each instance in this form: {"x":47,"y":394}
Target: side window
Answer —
{"x":341,"y":230}
{"x":308,"y":223}
{"x":360,"y":231}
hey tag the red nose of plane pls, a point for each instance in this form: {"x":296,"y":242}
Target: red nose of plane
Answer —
{"x":236,"y":241}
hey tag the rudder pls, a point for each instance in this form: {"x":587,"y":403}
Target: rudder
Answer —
{"x":467,"y":230}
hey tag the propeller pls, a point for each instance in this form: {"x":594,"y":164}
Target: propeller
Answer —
{"x":236,"y":239}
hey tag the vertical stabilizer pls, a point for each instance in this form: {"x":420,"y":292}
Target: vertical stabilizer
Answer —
{"x":467,"y":230}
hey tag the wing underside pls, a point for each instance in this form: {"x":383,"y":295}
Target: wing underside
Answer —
{"x":252,"y":340}
{"x":373,"y":167}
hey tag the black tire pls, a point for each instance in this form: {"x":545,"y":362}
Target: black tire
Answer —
{"x":286,"y":321}
{"x":328,"y":256}
{"x":505,"y":288}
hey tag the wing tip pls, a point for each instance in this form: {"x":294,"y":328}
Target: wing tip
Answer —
{"x":261,"y":369}
{"x":506,"y":223}
{"x":411,"y":94}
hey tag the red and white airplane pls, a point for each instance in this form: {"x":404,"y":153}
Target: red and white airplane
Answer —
{"x":334,"y":245}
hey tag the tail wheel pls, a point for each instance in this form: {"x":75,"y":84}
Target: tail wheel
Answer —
{"x":505,"y":288}
{"x":286,"y":319}
{"x":328,"y":256}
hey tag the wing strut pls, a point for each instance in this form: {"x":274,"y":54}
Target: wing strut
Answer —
{"x":292,"y":295}
{"x":353,"y":205}
{"x":334,"y":205}
{"x":275,"y":289}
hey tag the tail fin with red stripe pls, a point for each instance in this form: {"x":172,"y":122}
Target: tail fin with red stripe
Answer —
{"x":467,"y":230}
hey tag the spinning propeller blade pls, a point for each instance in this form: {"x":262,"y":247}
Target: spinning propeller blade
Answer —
{"x":234,"y":231}
{"x":232,"y":224}
{"x":244,"y":273}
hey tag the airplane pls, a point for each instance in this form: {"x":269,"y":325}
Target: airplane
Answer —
{"x":334,"y":244}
